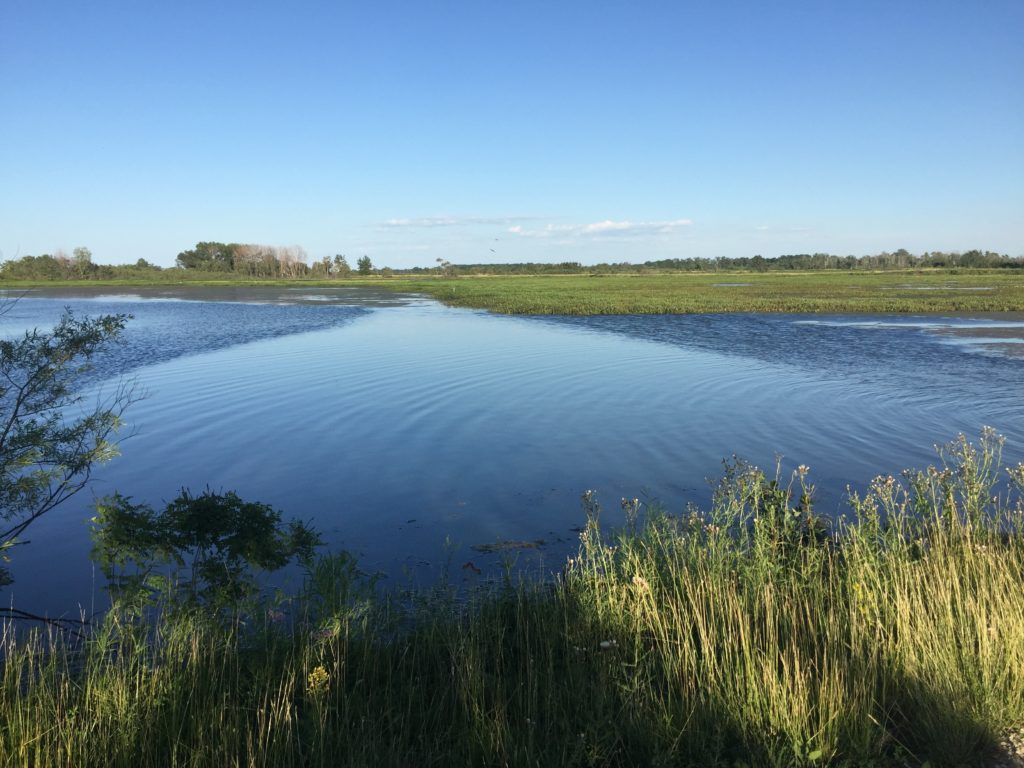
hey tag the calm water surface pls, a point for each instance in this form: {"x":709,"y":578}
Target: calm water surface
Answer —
{"x":396,"y":425}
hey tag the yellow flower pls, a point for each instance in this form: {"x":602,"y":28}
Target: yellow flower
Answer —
{"x":318,"y":680}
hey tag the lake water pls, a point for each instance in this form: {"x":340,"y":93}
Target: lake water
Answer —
{"x":408,"y":432}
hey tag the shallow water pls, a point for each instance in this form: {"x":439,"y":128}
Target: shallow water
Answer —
{"x":395,"y":424}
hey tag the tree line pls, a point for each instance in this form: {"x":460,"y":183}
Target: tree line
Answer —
{"x":265,"y":261}
{"x":242,"y":260}
{"x":802,"y":262}
{"x":250,"y":261}
{"x":78,"y":266}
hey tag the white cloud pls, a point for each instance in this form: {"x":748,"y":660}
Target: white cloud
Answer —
{"x":605,"y":229}
{"x":451,"y":221}
{"x":781,"y":229}
{"x":602,"y":227}
{"x":435,"y":221}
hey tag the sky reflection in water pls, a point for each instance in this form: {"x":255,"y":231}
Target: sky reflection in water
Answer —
{"x":394,"y":427}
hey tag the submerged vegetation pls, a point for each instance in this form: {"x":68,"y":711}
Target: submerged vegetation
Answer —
{"x":751,"y":633}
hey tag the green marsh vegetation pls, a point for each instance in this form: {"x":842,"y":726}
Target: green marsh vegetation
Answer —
{"x":749,"y":633}
{"x":693,"y":293}
{"x":927,"y":291}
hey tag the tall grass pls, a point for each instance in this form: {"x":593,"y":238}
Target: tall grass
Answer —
{"x":747,"y":634}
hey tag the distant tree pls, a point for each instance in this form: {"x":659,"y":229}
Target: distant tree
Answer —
{"x":209,"y":257}
{"x":387,"y":272}
{"x":341,"y":268}
{"x":44,"y":267}
{"x":83,"y":261}
{"x":323,"y":267}
{"x":364,"y":265}
{"x":291,"y":261}
{"x":64,"y":264}
{"x":252,"y":260}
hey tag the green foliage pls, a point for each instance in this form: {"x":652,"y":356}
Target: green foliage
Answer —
{"x":209,"y":257}
{"x":198,"y":549}
{"x":49,"y":443}
{"x":364,"y":266}
{"x":59,"y":267}
{"x":340,"y":266}
{"x":698,"y":639}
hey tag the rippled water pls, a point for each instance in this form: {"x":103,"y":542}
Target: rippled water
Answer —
{"x":395,"y":424}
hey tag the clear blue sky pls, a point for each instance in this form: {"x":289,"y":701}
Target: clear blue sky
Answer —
{"x":585,"y":131}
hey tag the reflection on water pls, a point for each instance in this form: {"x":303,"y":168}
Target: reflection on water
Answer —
{"x":394,"y":427}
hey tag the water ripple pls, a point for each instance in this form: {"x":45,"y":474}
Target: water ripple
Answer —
{"x":394,"y":428}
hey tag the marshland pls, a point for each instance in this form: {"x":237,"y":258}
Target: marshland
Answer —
{"x":536,"y":544}
{"x":511,"y":384}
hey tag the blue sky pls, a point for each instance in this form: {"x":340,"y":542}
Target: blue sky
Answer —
{"x":485,"y":131}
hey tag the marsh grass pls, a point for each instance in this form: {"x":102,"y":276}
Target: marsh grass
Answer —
{"x":890,"y":291}
{"x":923,"y":291}
{"x":746,"y":634}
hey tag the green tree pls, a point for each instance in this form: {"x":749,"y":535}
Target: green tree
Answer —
{"x":49,"y":443}
{"x":364,"y":265}
{"x":341,"y":267}
{"x":209,"y":257}
{"x":83,"y":265}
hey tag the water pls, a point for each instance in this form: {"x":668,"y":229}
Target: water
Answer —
{"x":408,"y":432}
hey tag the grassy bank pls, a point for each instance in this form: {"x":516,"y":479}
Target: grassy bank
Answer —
{"x":745,"y":635}
{"x":921,"y":291}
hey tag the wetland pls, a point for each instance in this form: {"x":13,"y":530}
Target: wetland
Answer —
{"x":420,"y":436}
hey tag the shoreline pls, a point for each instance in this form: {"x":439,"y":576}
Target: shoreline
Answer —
{"x":991,"y":294}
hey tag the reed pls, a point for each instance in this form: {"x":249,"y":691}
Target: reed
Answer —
{"x":750,"y":633}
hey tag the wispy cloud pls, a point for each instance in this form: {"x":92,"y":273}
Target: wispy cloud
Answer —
{"x":604,"y":229}
{"x":780,"y":230}
{"x":428,"y":222}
